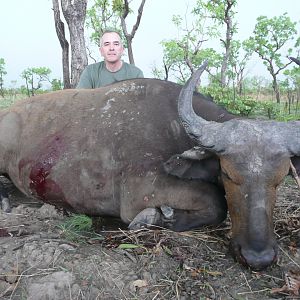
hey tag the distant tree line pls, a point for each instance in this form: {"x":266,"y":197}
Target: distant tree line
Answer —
{"x":273,"y":40}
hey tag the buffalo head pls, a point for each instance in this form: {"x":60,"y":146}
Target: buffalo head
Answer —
{"x":254,"y":157}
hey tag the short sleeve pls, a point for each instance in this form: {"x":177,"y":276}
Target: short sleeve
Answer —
{"x":140,"y":74}
{"x":85,"y":81}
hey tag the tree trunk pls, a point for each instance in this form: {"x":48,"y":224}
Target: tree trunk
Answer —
{"x":276,"y":89}
{"x":74,"y":12}
{"x":227,"y":42}
{"x":129,"y":36}
{"x":60,"y":31}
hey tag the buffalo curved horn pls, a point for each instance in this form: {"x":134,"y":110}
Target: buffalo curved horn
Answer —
{"x":297,"y":61}
{"x":203,"y":131}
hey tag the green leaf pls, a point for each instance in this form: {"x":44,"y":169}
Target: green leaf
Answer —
{"x":167,"y":250}
{"x":129,"y":246}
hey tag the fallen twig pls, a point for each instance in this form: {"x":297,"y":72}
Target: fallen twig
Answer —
{"x":284,"y":252}
{"x":295,"y":174}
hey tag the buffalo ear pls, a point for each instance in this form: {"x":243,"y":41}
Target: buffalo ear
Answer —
{"x":177,"y":166}
{"x":187,"y":167}
{"x":296,"y":163}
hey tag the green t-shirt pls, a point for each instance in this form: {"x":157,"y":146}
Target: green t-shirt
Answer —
{"x":96,"y":75}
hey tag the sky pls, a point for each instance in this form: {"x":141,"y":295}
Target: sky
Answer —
{"x":28,"y":37}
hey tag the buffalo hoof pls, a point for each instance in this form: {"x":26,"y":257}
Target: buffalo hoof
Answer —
{"x":167,"y":211}
{"x":146,"y":218}
{"x":5,"y":205}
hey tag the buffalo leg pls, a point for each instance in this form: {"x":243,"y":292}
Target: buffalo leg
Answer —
{"x":5,"y":205}
{"x":171,"y":203}
{"x":189,"y":219}
{"x":177,"y":219}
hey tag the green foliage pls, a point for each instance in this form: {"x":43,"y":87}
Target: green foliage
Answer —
{"x":293,"y":76}
{"x":278,"y":111}
{"x":79,"y":228}
{"x":2,"y":73}
{"x":246,"y":106}
{"x":131,"y":246}
{"x":269,"y":38}
{"x":103,"y":15}
{"x":34,"y":78}
{"x":57,"y":85}
{"x":217,"y":9}
{"x":10,"y":98}
{"x":228,"y":99}
{"x":182,"y":55}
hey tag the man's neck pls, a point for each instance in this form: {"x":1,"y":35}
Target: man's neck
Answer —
{"x":114,"y":67}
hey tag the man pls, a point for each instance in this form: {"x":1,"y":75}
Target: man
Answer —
{"x":112,"y":68}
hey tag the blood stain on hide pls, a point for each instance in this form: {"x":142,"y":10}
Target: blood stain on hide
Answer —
{"x":41,"y":162}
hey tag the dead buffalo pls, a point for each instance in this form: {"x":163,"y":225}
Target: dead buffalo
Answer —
{"x":101,"y":152}
{"x":106,"y":152}
{"x":254,"y":158}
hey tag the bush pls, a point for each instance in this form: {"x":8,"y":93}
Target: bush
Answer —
{"x":228,"y":99}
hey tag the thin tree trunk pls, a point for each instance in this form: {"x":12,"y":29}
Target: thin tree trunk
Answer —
{"x":227,"y":42}
{"x":60,"y":31}
{"x":276,"y":89}
{"x":130,"y":36}
{"x":74,"y":12}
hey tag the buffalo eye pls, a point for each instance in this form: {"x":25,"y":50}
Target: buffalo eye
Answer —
{"x":225,"y":175}
{"x":234,"y":179}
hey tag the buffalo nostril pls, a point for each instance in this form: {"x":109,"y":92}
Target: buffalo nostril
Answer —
{"x":258,"y":260}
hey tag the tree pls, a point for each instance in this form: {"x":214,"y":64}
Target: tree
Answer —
{"x":106,"y":14}
{"x":293,"y":76}
{"x":183,"y":55}
{"x":221,"y":12}
{"x":238,"y":61}
{"x":100,"y":16}
{"x":2,"y":73}
{"x":34,"y":78}
{"x":255,"y":85}
{"x":56,"y":84}
{"x":269,"y":38}
{"x":74,"y":12}
{"x":60,"y":31}
{"x":129,"y":36}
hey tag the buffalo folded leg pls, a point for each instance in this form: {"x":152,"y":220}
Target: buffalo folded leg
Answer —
{"x":177,"y":219}
{"x":183,"y":220}
{"x":5,"y":205}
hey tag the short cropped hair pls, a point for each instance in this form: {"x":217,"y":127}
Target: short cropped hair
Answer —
{"x":111,"y":31}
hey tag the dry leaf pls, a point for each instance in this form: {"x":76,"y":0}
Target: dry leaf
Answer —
{"x":139,"y":283}
{"x":292,"y":284}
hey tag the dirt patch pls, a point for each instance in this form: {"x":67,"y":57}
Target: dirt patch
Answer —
{"x":38,"y":262}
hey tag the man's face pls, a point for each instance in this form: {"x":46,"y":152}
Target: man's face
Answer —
{"x":111,"y":48}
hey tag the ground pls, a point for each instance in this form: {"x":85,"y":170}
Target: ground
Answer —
{"x":40,"y":260}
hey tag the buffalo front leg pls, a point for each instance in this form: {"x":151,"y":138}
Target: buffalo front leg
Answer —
{"x":175,"y":204}
{"x":177,"y":219}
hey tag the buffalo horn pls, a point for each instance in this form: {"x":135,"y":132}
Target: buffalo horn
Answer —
{"x":195,"y":126}
{"x":297,"y":61}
